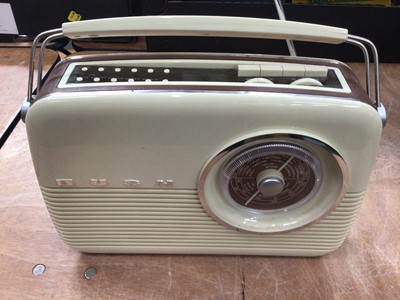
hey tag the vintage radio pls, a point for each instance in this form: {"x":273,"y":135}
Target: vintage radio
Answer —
{"x":203,"y":153}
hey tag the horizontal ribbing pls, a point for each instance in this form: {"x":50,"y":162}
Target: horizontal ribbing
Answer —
{"x":133,"y":220}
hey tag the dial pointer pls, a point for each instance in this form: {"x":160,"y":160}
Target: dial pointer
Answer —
{"x":252,"y":197}
{"x":285,"y":164}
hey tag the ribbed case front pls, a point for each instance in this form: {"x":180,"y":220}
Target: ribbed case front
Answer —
{"x":173,"y":221}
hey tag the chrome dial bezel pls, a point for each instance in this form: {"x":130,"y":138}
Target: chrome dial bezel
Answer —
{"x":328,"y":197}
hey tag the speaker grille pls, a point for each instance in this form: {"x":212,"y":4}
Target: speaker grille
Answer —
{"x":173,"y":221}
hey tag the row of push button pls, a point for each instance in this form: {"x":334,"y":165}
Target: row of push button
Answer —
{"x":282,"y":70}
{"x":133,"y":70}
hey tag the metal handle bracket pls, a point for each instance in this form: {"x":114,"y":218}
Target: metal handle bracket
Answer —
{"x":162,"y":25}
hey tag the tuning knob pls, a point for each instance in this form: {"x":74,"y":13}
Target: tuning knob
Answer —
{"x":307,"y":82}
{"x":270,"y":182}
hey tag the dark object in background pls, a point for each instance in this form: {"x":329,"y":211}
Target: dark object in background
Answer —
{"x":372,"y":22}
{"x":35,"y":16}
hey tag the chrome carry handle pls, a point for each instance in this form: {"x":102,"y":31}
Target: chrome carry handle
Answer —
{"x":45,"y":34}
{"x":207,"y":26}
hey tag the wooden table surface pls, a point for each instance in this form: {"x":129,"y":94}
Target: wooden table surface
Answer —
{"x":366,"y":266}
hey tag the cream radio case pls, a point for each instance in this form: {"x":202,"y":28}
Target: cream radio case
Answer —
{"x":203,"y":153}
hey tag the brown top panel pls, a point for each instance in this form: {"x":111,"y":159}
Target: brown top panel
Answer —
{"x":51,"y":85}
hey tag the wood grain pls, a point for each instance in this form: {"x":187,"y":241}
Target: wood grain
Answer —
{"x":366,"y":266}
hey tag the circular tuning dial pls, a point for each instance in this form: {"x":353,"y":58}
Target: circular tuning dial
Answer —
{"x":271,"y":175}
{"x":273,"y":184}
